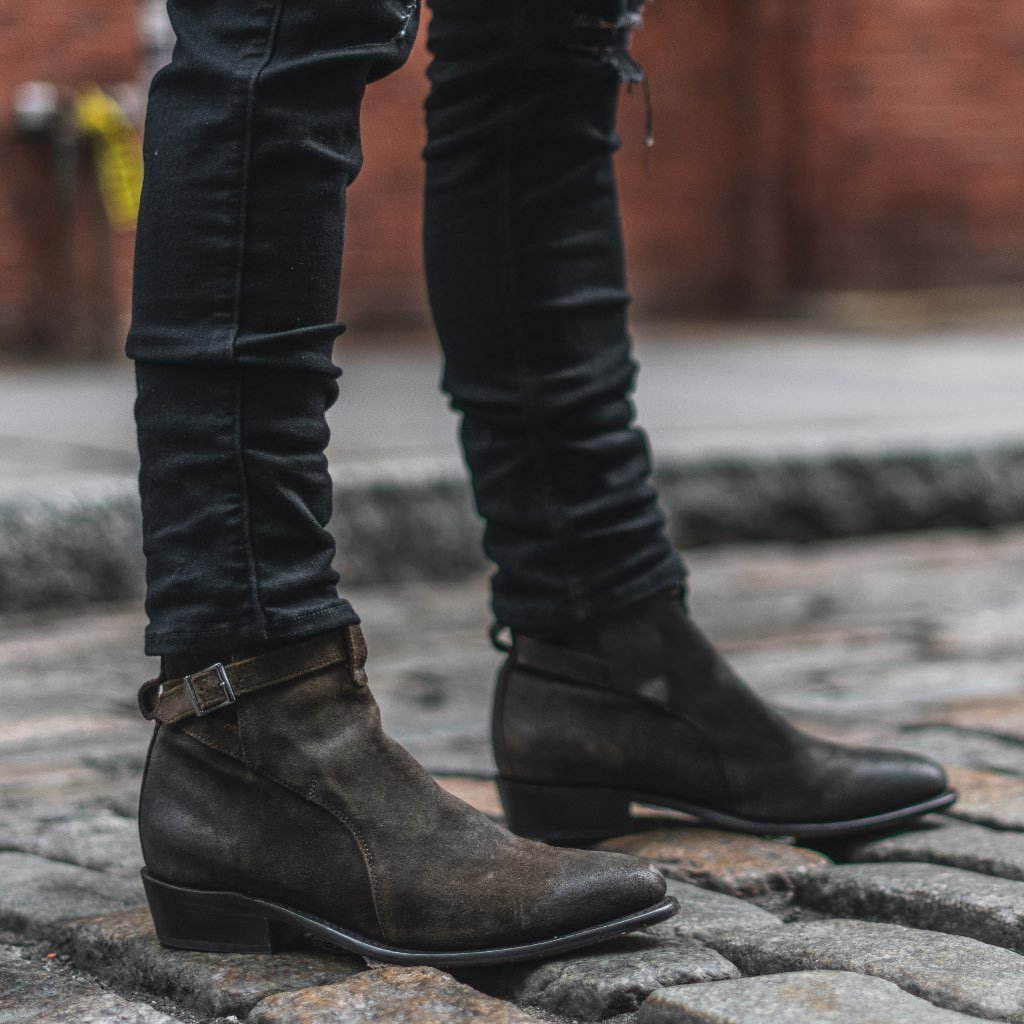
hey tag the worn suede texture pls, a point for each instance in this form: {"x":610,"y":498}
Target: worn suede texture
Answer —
{"x":664,"y":713}
{"x":296,"y":794}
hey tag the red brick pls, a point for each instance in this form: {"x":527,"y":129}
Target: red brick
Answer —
{"x":802,"y":145}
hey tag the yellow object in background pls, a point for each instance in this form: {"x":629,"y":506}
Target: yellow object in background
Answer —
{"x":117,"y":151}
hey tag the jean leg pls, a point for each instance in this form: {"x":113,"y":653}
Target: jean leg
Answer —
{"x":252,"y":137}
{"x":527,"y":282}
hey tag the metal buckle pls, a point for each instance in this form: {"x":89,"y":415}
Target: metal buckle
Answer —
{"x":222,"y":681}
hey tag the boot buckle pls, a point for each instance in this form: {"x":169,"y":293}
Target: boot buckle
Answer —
{"x":209,"y":690}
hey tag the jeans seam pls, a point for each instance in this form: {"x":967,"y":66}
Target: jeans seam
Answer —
{"x":513,"y":318}
{"x":255,"y":595}
{"x":243,"y":489}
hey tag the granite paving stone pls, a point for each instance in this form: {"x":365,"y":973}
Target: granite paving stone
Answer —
{"x":971,"y":749}
{"x":28,"y":983}
{"x":705,"y":914}
{"x":123,"y":949}
{"x":42,"y":991}
{"x":998,"y":716}
{"x":804,"y":997}
{"x":728,"y":862}
{"x":96,"y":838}
{"x":388,"y":995}
{"x":948,"y":970}
{"x":105,"y":1008}
{"x":606,"y":980}
{"x":939,"y":840}
{"x":923,"y":896}
{"x":37,"y":894}
{"x":988,"y":798}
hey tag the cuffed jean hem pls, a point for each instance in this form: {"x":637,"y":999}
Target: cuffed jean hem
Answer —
{"x":239,"y":634}
{"x":525,"y":616}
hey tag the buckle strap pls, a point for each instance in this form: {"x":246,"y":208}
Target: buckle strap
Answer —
{"x":169,"y":701}
{"x":561,"y":661}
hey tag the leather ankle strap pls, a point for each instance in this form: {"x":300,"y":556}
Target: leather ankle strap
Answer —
{"x":199,"y":693}
{"x":563,"y":662}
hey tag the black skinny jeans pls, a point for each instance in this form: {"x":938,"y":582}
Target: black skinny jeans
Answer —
{"x":251,"y":138}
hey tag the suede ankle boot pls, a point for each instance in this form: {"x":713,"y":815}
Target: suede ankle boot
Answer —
{"x":639,"y":707}
{"x":274,"y":805}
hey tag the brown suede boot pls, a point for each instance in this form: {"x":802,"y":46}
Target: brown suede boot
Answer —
{"x":639,"y":707}
{"x":273,"y":804}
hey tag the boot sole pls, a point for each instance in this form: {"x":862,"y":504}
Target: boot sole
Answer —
{"x":567,"y":814}
{"x":228,"y":922}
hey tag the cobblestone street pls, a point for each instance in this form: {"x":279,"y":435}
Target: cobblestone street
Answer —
{"x":916,"y":641}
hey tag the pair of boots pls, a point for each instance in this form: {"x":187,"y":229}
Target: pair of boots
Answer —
{"x":274,"y":804}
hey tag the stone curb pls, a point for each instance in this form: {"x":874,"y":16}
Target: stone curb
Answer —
{"x":413,"y":519}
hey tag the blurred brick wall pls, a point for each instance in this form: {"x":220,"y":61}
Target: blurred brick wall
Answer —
{"x":63,"y":287}
{"x":907,"y":143}
{"x":801,"y":145}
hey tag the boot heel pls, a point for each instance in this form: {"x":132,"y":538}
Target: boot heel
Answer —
{"x":564,"y":814}
{"x":214,"y":922}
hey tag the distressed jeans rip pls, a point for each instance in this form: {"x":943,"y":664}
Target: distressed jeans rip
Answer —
{"x":411,"y":11}
{"x":607,"y":36}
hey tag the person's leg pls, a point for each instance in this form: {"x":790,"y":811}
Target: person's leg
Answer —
{"x":525,"y":266}
{"x":611,"y":694}
{"x":273,"y":803}
{"x":251,"y":139}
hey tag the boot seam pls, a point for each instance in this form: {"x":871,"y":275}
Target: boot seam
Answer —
{"x":499,"y":739}
{"x":142,"y":789}
{"x":723,"y":767}
{"x":338,"y":816}
{"x":207,"y":742}
{"x":383,"y":919}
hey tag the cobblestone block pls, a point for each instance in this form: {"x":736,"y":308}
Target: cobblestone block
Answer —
{"x":705,"y":914}
{"x":945,"y":841}
{"x":98,"y":838}
{"x":948,"y":970}
{"x":923,"y":896}
{"x":37,"y":894}
{"x":987,"y":798}
{"x":27,"y":983}
{"x":726,"y":861}
{"x":806,"y":997}
{"x":42,"y":992}
{"x":103,"y":1008}
{"x":123,"y":949}
{"x":388,"y":995}
{"x":607,"y":980}
{"x":971,"y":749}
{"x":999,"y":716}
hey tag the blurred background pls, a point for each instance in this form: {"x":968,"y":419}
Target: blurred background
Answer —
{"x":839,"y":158}
{"x":826,"y":246}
